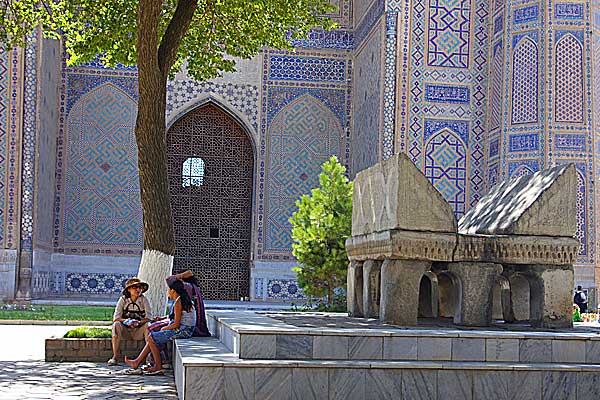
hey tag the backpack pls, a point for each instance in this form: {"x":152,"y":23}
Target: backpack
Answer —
{"x":580,"y":297}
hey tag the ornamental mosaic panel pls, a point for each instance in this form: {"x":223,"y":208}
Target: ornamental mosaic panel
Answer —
{"x":449,"y":30}
{"x":570,"y":142}
{"x":213,"y":216}
{"x":284,"y":289}
{"x":446,"y":168}
{"x":568,"y":11}
{"x":581,"y":215}
{"x":526,"y":14}
{"x":102,"y":203}
{"x":4,"y":101}
{"x":90,"y":283}
{"x":447,"y":93}
{"x":495,"y":110}
{"x":300,"y":138}
{"x":523,"y":142}
{"x":515,"y":166}
{"x":568,"y":80}
{"x":525,"y":83}
{"x":367,"y":107}
{"x":307,"y":68}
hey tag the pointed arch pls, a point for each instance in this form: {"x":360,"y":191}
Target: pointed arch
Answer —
{"x":102,"y":201}
{"x":300,"y":138}
{"x":568,"y":80}
{"x":446,"y":168}
{"x":212,"y":202}
{"x":525,"y":83}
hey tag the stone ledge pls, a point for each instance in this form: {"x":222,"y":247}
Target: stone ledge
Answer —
{"x":88,"y":349}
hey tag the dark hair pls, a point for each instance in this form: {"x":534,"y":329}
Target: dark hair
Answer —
{"x":186,"y":302}
{"x":579,"y":287}
{"x":192,"y":279}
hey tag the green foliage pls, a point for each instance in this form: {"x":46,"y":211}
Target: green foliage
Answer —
{"x":320,"y":228}
{"x":337,"y":304}
{"x":88,"y":332}
{"x":219,"y":29}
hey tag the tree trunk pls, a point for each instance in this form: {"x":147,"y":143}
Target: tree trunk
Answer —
{"x":159,"y":240}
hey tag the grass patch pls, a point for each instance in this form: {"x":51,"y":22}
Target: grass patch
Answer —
{"x":87,"y":332}
{"x":56,"y":313}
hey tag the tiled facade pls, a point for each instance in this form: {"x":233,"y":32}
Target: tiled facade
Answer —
{"x":474,"y":91}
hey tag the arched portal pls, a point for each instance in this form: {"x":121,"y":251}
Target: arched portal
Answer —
{"x":210,"y":167}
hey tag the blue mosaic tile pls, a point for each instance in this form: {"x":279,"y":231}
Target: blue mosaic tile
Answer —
{"x":294,"y":68}
{"x":284,"y":289}
{"x":570,"y":142}
{"x":494,"y":148}
{"x":447,"y":93}
{"x":320,"y":39}
{"x":95,"y":283}
{"x":527,"y":166}
{"x":499,"y":23}
{"x":449,"y":33}
{"x":572,"y":11}
{"x":524,"y":142}
{"x":433,"y":126}
{"x":526,"y":14}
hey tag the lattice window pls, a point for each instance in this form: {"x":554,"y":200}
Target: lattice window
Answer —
{"x":568,"y":80}
{"x":212,"y":221}
{"x":445,"y":167}
{"x":192,"y":172}
{"x":525,"y":83}
{"x":496,"y":96}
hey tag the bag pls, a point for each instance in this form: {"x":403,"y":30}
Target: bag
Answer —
{"x":580,"y":297}
{"x":133,"y":311}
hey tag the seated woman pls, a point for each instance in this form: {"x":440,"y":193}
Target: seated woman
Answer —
{"x":131,"y":314}
{"x":182,"y":322}
{"x":192,"y":287}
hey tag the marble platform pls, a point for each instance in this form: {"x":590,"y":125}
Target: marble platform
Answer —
{"x":330,"y":356}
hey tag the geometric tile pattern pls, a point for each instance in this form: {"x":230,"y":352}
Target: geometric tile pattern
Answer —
{"x":449,"y":31}
{"x":570,"y":142}
{"x":581,"y":215}
{"x":29,"y":145}
{"x":446,"y":168}
{"x":94,"y":283}
{"x":525,"y":82}
{"x":4,"y":101}
{"x":306,"y":68}
{"x":284,"y":289}
{"x":301,"y":137}
{"x":102,"y":203}
{"x":320,"y":39}
{"x":495,"y":110}
{"x":568,"y":80}
{"x":389,"y":93}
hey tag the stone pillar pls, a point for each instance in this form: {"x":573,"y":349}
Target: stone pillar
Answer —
{"x":371,"y":288}
{"x":354,"y":292}
{"x":400,"y":281}
{"x":551,"y":296}
{"x":476,"y":283}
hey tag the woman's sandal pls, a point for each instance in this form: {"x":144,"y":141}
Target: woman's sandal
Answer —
{"x":158,"y":372}
{"x":133,"y":371}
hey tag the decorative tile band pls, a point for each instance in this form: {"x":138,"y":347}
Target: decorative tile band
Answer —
{"x":526,"y":14}
{"x":570,"y":142}
{"x":526,"y":142}
{"x":290,"y":68}
{"x":320,"y":39}
{"x":447,"y":94}
{"x":494,"y":147}
{"x":95,"y":283}
{"x":568,"y":11}
{"x":284,"y":289}
{"x":389,"y":89}
{"x":499,"y":24}
{"x":433,"y":126}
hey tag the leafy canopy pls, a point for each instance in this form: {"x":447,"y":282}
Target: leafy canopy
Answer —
{"x":219,"y":29}
{"x":321,"y":226}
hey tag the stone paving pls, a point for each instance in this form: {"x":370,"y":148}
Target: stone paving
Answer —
{"x":24,"y":374}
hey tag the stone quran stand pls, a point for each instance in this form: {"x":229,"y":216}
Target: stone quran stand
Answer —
{"x":409,"y":257}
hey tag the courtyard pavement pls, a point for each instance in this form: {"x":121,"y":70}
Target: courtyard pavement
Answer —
{"x":24,"y":374}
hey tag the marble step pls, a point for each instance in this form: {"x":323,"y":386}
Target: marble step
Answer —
{"x":206,"y":369}
{"x":256,"y":336}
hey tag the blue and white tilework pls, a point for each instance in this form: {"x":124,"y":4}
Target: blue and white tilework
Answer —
{"x":283,"y":289}
{"x":91,"y":283}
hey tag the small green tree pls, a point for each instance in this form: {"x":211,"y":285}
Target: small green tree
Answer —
{"x":320,"y":228}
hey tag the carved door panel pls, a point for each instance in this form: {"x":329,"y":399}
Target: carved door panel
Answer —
{"x":210,"y":167}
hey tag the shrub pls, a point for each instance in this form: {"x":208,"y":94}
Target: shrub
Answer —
{"x":88,"y":332}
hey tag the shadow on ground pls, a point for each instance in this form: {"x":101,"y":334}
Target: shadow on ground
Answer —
{"x":41,"y":380}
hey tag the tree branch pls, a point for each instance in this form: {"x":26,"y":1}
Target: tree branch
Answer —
{"x":176,"y":30}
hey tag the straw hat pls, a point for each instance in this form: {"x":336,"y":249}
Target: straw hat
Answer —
{"x":135,"y":281}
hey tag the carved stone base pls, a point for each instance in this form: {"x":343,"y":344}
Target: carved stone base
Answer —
{"x":400,"y":281}
{"x":371,"y":288}
{"x":354,"y":292}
